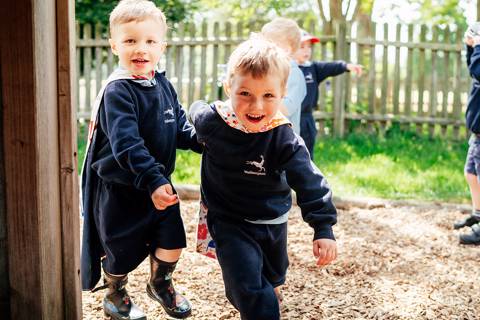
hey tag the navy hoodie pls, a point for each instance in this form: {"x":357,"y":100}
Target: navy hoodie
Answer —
{"x":139,"y":130}
{"x":247,"y":176}
{"x":315,"y":72}
{"x":472,"y":115}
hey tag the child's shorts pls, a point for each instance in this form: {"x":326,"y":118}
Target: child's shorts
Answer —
{"x":129,"y":226}
{"x":472,"y":163}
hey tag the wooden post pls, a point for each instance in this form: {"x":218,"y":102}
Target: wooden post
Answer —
{"x":40,"y":170}
{"x":4,"y":285}
{"x":338,"y":105}
{"x":67,"y":141}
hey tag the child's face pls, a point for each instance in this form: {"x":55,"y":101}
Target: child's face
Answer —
{"x":139,"y":45}
{"x":304,"y":53}
{"x":255,"y":101}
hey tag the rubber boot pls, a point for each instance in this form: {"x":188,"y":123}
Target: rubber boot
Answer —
{"x":160,"y":288}
{"x":117,"y":304}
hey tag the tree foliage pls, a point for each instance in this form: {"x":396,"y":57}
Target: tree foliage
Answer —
{"x":98,"y":11}
{"x":248,"y":10}
{"x":441,"y":12}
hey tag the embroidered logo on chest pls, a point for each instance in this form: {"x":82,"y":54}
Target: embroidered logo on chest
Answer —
{"x":309,"y":78}
{"x":256,"y":167}
{"x":169,"y":114}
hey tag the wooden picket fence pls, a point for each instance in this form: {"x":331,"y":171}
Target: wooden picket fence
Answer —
{"x":415,"y":75}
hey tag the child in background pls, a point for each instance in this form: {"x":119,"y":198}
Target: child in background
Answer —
{"x":315,"y":72}
{"x":129,"y":205}
{"x":251,"y":159}
{"x":285,"y":33}
{"x":472,"y":163}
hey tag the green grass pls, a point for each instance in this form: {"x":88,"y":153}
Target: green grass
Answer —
{"x":400,"y":165}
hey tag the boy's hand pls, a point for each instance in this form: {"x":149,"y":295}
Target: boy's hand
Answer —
{"x":164,"y":197}
{"x":355,"y":68}
{"x":325,"y":250}
{"x":468,"y":40}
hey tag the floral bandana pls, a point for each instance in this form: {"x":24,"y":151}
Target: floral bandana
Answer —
{"x":225,"y":110}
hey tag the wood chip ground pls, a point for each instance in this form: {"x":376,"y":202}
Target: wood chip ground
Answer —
{"x":394,"y":263}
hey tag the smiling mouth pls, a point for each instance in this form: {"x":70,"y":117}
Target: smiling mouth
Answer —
{"x":255,"y":117}
{"x":139,"y":61}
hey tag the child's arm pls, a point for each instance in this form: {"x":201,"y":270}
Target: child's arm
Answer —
{"x":329,"y":69}
{"x":119,"y":120}
{"x":186,"y":135}
{"x":314,"y":196}
{"x":296,"y":91}
{"x":473,"y":56}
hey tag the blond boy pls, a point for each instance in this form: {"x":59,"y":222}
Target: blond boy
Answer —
{"x":251,"y":159}
{"x":130,"y":207}
{"x":286,"y":34}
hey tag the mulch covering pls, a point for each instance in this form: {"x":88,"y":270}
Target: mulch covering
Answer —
{"x":394,"y":263}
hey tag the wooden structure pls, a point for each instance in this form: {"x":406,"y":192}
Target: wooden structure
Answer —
{"x":39,"y":219}
{"x":414,"y":75}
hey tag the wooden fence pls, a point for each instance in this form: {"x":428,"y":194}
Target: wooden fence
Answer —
{"x":414,"y":75}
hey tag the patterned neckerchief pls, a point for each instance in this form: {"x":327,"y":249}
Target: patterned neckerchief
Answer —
{"x":225,"y":110}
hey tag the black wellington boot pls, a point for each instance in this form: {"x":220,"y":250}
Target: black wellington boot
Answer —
{"x":160,"y":288}
{"x":472,"y":237}
{"x":117,"y":304}
{"x":467,"y":222}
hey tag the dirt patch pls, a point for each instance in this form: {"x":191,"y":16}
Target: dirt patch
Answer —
{"x":394,"y":263}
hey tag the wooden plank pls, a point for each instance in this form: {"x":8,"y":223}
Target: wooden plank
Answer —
{"x":339,"y":109}
{"x":421,"y":77}
{"x":385,"y":77}
{"x":169,"y":56}
{"x":347,"y":57}
{"x":433,"y":84}
{"x":408,"y":79}
{"x":98,"y":59}
{"x":457,"y":103}
{"x":69,"y":205}
{"x":203,"y":63}
{"x":78,"y":63}
{"x":31,"y":154}
{"x":322,"y":91}
{"x":191,"y":67}
{"x":179,"y":63}
{"x":445,"y":82}
{"x":87,"y":67}
{"x":371,"y":79}
{"x":396,"y":73}
{"x":214,"y":89}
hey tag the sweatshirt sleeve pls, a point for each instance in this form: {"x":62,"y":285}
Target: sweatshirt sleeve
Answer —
{"x":329,"y":69}
{"x":314,"y":196}
{"x":120,"y":121}
{"x":201,"y":115}
{"x":186,"y":135}
{"x":474,"y":63}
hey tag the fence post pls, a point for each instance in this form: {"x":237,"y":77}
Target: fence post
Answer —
{"x":338,"y":93}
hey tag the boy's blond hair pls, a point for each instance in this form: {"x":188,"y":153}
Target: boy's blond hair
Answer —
{"x":258,"y":57}
{"x":283,"y":30}
{"x":136,"y":10}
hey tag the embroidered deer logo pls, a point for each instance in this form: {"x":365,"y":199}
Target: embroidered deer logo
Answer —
{"x":169,"y":111}
{"x":258,"y":165}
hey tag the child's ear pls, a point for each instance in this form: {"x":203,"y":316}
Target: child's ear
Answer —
{"x":113,"y":46}
{"x":226,"y":88}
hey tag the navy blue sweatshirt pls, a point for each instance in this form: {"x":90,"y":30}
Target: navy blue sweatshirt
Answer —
{"x":315,"y":72}
{"x":247,"y":176}
{"x":472,"y":115}
{"x":139,"y":130}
